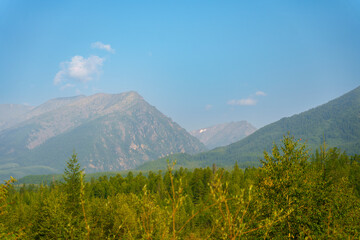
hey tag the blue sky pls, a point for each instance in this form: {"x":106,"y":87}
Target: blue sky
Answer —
{"x":199,"y":62}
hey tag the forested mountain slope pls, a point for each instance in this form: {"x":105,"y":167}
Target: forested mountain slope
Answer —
{"x":338,"y":121}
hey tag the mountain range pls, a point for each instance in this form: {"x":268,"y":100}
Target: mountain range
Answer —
{"x":337,"y":123}
{"x":123,"y":131}
{"x":109,"y":133}
{"x":223,"y":134}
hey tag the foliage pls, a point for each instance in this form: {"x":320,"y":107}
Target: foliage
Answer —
{"x":72,"y":185}
{"x":292,"y":195}
{"x":308,"y":191}
{"x":337,"y":122}
{"x":5,"y":229}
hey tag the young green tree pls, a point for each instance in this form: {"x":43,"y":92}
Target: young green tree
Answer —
{"x":317,"y":196}
{"x":72,"y":186}
{"x":4,"y":216}
{"x":75,"y":200}
{"x":284,"y":185}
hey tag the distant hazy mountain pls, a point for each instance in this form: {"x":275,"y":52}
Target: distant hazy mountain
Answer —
{"x":338,"y":121}
{"x":10,"y":113}
{"x":223,"y":134}
{"x":109,"y":132}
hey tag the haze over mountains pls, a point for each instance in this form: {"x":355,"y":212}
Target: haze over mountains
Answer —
{"x":338,"y":121}
{"x":223,"y":134}
{"x":109,"y":132}
{"x":123,"y":131}
{"x":10,"y":113}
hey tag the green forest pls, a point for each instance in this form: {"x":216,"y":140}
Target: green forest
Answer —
{"x":292,"y":195}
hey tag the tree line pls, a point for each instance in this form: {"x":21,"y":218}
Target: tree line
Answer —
{"x":292,"y":195}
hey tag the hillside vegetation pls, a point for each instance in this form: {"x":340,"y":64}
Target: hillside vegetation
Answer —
{"x":336,"y":122}
{"x":293,"y":195}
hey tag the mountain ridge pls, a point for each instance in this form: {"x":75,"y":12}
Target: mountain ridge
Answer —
{"x":108,"y":131}
{"x":223,"y":134}
{"x":338,"y":121}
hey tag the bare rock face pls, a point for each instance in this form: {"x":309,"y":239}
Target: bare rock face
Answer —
{"x":223,"y":134}
{"x":109,"y":132}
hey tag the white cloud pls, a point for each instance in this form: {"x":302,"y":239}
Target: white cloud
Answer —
{"x":250,"y":101}
{"x":97,"y":90}
{"x":78,"y":92}
{"x":100,"y":45}
{"x":243,"y":102}
{"x":68,"y":85}
{"x":208,"y":107}
{"x":260,"y":93}
{"x":59,"y":76}
{"x":79,"y":69}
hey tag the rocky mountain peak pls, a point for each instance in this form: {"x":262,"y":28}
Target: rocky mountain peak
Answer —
{"x":223,"y":134}
{"x":109,"y":132}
